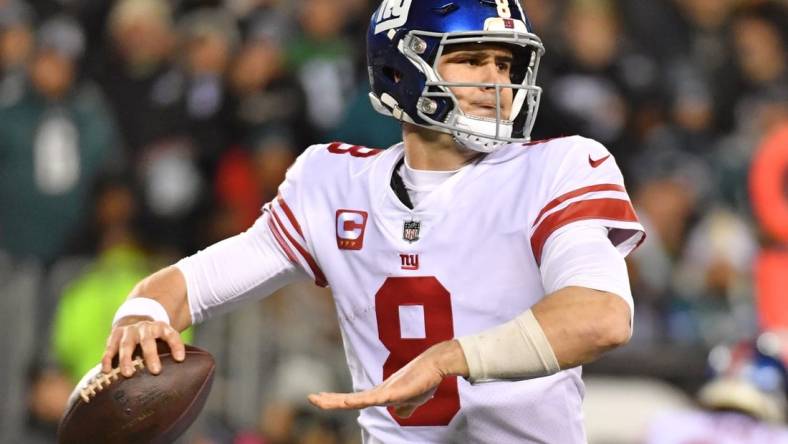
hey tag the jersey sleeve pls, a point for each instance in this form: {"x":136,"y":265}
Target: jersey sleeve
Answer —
{"x":244,"y":267}
{"x":587,"y":189}
{"x":582,"y":256}
{"x":290,"y":215}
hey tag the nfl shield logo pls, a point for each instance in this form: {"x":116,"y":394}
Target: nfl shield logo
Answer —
{"x":410,"y":231}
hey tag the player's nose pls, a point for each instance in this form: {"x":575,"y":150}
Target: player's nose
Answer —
{"x":489,"y":74}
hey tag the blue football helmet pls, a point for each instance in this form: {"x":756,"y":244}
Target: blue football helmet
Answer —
{"x":750,"y":377}
{"x":407,"y":37}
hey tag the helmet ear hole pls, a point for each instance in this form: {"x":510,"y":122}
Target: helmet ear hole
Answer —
{"x":392,"y":74}
{"x":521,"y":64}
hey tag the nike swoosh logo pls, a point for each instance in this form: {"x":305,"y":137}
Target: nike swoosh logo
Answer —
{"x":596,"y":163}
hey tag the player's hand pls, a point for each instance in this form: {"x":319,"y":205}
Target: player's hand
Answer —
{"x":133,"y":330}
{"x":408,"y":388}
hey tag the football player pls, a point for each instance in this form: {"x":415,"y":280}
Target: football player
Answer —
{"x":743,"y":402}
{"x":473,"y":270}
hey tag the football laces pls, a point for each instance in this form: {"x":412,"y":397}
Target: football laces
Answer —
{"x":103,"y":380}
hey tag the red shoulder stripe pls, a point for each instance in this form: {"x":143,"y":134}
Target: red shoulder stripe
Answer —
{"x":578,"y":192}
{"x":280,"y":240}
{"x":290,"y":216}
{"x":320,"y":278}
{"x":608,"y":209}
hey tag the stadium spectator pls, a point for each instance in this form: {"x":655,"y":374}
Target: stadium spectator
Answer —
{"x":209,"y":38}
{"x":761,"y":105}
{"x":322,"y":59}
{"x":699,"y":64}
{"x":713,"y":277}
{"x":55,"y":138}
{"x":598,"y":85}
{"x":138,"y":76}
{"x":268,"y":103}
{"x":673,"y":188}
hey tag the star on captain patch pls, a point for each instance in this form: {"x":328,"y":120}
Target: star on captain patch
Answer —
{"x":410,"y":231}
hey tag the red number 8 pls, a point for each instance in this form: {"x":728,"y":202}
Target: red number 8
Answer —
{"x":354,"y":150}
{"x":438,"y":326}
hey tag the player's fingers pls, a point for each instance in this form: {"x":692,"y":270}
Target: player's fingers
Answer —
{"x":345,"y":401}
{"x":149,"y":352}
{"x":369,"y":398}
{"x":128,"y":342}
{"x":173,"y":339}
{"x":329,"y":401}
{"x":111,"y":350}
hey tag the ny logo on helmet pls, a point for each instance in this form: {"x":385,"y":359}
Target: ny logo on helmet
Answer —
{"x":392,"y":14}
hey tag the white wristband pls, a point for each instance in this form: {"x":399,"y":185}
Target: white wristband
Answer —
{"x":142,"y":307}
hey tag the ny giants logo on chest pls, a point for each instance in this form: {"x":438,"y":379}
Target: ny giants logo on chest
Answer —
{"x":409,"y":261}
{"x":351,"y":225}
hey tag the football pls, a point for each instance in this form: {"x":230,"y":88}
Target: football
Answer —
{"x":145,"y":408}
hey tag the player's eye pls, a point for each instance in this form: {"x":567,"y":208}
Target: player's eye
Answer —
{"x":504,"y":66}
{"x":471,"y":61}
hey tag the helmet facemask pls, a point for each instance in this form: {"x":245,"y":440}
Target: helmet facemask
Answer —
{"x":478,"y":133}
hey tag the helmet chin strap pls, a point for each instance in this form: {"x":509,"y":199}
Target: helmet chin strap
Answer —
{"x":517,"y":103}
{"x":486,"y":143}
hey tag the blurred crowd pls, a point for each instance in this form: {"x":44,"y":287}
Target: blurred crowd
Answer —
{"x":133,"y":132}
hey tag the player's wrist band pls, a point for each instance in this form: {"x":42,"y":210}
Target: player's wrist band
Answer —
{"x":515,"y":350}
{"x":142,"y":307}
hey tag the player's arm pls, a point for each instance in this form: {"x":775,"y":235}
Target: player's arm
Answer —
{"x":570,"y":327}
{"x":246,"y":266}
{"x":269,"y":255}
{"x":581,"y":324}
{"x":587,"y":311}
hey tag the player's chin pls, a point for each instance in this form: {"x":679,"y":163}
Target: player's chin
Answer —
{"x":484,"y":112}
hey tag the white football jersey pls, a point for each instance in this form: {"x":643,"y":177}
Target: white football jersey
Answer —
{"x":465,"y":259}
